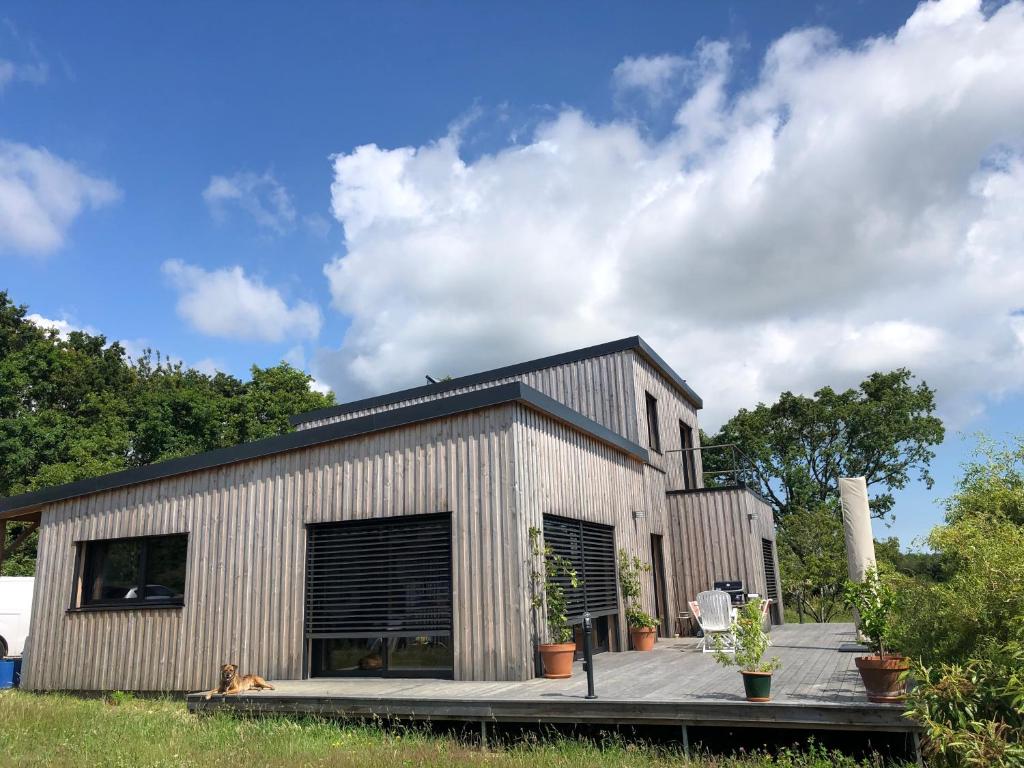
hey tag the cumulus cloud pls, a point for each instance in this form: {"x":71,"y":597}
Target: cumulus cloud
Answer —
{"x":261,"y":196}
{"x":853,"y":208}
{"x":230,"y":304}
{"x":40,"y":197}
{"x":64,"y":327}
{"x":651,"y":75}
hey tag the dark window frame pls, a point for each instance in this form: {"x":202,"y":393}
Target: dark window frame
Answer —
{"x":87,"y":564}
{"x":686,"y":445}
{"x":653,"y":427}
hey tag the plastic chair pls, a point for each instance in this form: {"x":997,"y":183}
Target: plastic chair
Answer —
{"x":715,"y":617}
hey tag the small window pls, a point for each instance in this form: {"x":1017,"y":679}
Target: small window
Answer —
{"x":653,"y":435}
{"x":134,"y":572}
{"x":688,"y":454}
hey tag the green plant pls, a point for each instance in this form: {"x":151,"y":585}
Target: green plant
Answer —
{"x":751,"y":642}
{"x":874,"y":600}
{"x":549,"y":572}
{"x":972,"y":714}
{"x":117,"y":698}
{"x":630,"y":570}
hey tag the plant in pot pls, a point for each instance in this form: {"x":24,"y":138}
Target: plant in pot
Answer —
{"x":643,"y":628}
{"x":750,"y":642}
{"x":550,"y":572}
{"x":884,"y":672}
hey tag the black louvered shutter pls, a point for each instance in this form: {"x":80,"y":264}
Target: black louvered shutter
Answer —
{"x":379,"y":578}
{"x":590,"y":547}
{"x":770,"y":579}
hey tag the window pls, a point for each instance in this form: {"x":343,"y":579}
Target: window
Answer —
{"x":688,"y":454}
{"x":653,"y":435}
{"x":134,"y":573}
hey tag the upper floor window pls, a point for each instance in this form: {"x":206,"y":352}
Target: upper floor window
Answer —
{"x":688,"y":454}
{"x":653,"y":435}
{"x":137,"y":572}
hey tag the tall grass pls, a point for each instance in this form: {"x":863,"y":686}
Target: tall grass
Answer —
{"x":62,"y":730}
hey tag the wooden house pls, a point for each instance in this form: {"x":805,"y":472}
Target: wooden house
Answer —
{"x":390,"y":536}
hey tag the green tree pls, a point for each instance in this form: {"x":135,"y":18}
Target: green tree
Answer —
{"x":799,"y":447}
{"x":78,"y":406}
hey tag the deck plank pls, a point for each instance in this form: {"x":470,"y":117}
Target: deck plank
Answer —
{"x":817,"y":687}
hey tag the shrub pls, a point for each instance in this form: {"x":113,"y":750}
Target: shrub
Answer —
{"x":630,"y":569}
{"x":751,"y":642}
{"x":548,"y":571}
{"x":874,"y":600}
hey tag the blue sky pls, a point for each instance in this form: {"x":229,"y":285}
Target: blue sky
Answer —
{"x":533,"y":177}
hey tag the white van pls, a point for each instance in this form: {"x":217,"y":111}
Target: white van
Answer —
{"x":15,"y":611}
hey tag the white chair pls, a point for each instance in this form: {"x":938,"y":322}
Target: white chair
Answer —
{"x":716,"y":620}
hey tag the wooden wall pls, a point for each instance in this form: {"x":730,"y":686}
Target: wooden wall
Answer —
{"x":562,"y":472}
{"x":246,"y":559}
{"x":601,"y":388}
{"x":717,"y":534}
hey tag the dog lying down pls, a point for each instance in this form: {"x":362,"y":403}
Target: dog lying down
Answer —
{"x":232,"y":683}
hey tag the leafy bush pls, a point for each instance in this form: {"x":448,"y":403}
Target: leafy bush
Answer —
{"x":966,"y":634}
{"x":751,"y":642}
{"x":630,"y":569}
{"x":874,"y":600}
{"x":548,"y":569}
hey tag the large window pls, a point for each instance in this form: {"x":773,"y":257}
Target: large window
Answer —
{"x":688,"y":455}
{"x":143,"y":572}
{"x":653,"y":435}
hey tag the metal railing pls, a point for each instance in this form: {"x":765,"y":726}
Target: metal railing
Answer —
{"x":716,"y":466}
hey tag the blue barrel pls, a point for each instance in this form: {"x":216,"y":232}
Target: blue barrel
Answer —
{"x":7,"y":673}
{"x":17,"y":672}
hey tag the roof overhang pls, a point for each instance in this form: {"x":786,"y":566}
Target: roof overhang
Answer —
{"x":519,"y":369}
{"x":515,"y":392}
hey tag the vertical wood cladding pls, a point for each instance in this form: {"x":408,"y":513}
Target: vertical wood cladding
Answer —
{"x":246,"y":557}
{"x":601,"y":388}
{"x":562,"y":472}
{"x":718,"y":536}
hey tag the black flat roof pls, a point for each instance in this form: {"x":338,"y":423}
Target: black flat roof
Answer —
{"x":518,"y":369}
{"x":515,"y":392}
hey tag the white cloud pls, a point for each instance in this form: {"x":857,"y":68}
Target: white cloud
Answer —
{"x":852,"y":209}
{"x":651,"y":75}
{"x":41,"y":195}
{"x":64,"y":327}
{"x":260,"y":195}
{"x":229,"y":304}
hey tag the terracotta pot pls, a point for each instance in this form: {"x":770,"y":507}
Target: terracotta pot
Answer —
{"x":643,"y":638}
{"x":757,"y":685}
{"x":557,"y":659}
{"x":881,"y":677}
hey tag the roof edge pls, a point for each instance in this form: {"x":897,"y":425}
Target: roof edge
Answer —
{"x":377,"y":422}
{"x":516,"y":369}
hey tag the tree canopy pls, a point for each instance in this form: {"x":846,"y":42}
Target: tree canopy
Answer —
{"x":77,"y":406}
{"x":800,"y":446}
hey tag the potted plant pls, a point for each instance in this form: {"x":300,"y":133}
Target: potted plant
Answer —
{"x":750,"y":644}
{"x":884,"y":672}
{"x":548,"y":572}
{"x":643,"y":628}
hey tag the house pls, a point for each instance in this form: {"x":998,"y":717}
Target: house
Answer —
{"x":390,"y":536}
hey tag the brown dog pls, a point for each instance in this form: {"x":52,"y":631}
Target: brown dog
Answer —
{"x":232,"y":683}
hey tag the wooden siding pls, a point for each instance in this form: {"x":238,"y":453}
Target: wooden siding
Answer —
{"x":717,"y":536}
{"x":562,"y":472}
{"x":672,"y":408}
{"x":601,"y":388}
{"x":246,"y":558}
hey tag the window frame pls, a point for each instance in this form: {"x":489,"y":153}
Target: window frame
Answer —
{"x":689,"y":456}
{"x":653,"y":425}
{"x":86,"y":565}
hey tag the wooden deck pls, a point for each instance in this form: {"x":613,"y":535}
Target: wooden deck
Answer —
{"x":818,"y":688}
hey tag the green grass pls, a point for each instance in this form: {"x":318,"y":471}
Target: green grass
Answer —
{"x":63,"y":730}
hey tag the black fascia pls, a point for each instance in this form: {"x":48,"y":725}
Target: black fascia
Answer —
{"x":518,"y":369}
{"x":377,"y":422}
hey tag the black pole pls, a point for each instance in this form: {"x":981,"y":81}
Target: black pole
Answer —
{"x":588,"y":656}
